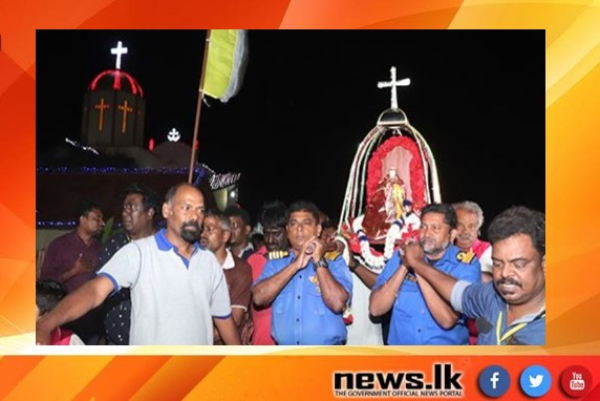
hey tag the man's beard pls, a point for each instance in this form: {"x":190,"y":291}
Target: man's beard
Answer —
{"x":190,"y":236}
{"x":429,"y":249}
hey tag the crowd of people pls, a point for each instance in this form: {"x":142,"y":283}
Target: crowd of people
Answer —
{"x":195,"y":277}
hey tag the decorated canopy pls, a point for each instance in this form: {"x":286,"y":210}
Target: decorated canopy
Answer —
{"x":393,"y":176}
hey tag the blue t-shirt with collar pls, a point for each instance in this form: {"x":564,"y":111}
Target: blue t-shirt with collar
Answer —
{"x":482,"y":301}
{"x":299,"y":314}
{"x":412,"y":323}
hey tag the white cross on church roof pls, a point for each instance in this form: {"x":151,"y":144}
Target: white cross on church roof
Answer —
{"x":119,"y":51}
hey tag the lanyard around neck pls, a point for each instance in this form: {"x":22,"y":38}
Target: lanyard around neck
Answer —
{"x":509,"y":333}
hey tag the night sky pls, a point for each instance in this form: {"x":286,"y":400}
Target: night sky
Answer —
{"x":309,"y":98}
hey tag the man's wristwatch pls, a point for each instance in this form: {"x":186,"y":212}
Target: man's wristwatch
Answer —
{"x":321,"y":263}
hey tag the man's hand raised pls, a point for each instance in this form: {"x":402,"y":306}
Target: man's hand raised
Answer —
{"x":412,"y":255}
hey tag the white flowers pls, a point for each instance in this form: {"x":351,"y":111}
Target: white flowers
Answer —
{"x":378,"y":262}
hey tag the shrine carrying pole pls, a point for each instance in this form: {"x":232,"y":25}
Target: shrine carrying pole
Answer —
{"x":199,"y":107}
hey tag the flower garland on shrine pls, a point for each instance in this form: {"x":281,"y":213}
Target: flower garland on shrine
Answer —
{"x":378,"y":262}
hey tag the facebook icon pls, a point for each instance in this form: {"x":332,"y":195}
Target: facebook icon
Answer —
{"x":494,"y":381}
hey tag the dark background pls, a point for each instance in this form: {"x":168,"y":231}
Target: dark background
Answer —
{"x":309,"y":98}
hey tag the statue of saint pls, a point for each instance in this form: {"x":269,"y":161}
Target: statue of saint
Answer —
{"x":394,"y":196}
{"x":385,"y":207}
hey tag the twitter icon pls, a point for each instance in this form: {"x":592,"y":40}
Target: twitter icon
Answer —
{"x":535,"y":381}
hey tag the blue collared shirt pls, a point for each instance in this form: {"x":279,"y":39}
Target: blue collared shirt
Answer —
{"x":165,"y":245}
{"x":412,"y":322}
{"x":483,"y":302}
{"x":299,"y":314}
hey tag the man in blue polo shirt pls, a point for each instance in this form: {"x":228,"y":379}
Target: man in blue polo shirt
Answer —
{"x":512,"y":309}
{"x":419,"y":315}
{"x":308,"y":293}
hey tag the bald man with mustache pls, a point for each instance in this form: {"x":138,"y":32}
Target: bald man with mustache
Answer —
{"x":177,"y":288}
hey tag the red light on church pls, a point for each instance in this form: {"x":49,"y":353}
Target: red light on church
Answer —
{"x":151,"y":145}
{"x":196,"y":145}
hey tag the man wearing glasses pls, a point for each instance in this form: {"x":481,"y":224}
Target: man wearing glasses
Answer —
{"x":72,"y":260}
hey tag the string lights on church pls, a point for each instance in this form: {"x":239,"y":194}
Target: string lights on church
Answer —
{"x":113,"y":134}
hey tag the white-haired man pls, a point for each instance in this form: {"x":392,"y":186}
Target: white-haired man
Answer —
{"x":470,"y":220}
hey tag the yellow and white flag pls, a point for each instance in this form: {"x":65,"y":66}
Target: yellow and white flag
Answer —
{"x":226,"y":64}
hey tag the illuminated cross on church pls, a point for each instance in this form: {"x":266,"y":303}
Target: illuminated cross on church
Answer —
{"x":394,"y":84}
{"x":101,"y":106}
{"x":125,"y":109}
{"x":119,"y":51}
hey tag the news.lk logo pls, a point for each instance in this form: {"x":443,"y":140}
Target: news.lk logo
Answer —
{"x":576,"y":381}
{"x":404,"y":384}
{"x":494,"y":381}
{"x":535,"y":381}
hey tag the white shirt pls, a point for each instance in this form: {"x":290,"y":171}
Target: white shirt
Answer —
{"x":173,"y":300}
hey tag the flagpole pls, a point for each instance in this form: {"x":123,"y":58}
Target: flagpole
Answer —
{"x":199,"y":106}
